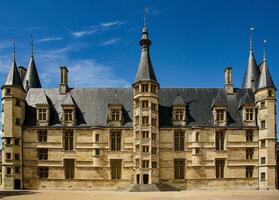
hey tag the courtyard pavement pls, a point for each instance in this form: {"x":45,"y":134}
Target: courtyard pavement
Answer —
{"x":112,"y":195}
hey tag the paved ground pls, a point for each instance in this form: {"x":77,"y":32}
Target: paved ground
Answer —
{"x":104,"y":195}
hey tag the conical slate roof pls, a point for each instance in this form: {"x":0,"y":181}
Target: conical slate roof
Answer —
{"x":178,"y":101}
{"x":265,"y":80}
{"x":246,"y":100}
{"x":145,"y":69}
{"x":13,"y":78}
{"x":31,"y":79}
{"x":220,"y":99}
{"x":252,"y":73}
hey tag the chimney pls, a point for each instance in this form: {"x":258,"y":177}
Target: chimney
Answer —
{"x":228,"y":80}
{"x":63,"y":86}
{"x":22,"y":71}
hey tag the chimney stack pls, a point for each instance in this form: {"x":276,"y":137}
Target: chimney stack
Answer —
{"x":228,"y":80}
{"x":63,"y":86}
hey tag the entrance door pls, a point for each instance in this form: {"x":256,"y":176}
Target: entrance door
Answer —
{"x":138,"y":178}
{"x":145,"y":179}
{"x":17,"y":184}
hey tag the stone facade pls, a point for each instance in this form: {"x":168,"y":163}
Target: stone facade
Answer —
{"x":55,"y":138}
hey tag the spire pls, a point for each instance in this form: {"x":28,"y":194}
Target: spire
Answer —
{"x":265,"y":80}
{"x":145,"y":69}
{"x":13,"y":78}
{"x":31,"y":79}
{"x":252,"y":71}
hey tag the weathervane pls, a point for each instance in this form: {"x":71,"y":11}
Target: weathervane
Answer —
{"x":31,"y":45}
{"x":264,"y":49}
{"x":14,"y":51}
{"x":251,"y":38}
{"x":145,"y":16}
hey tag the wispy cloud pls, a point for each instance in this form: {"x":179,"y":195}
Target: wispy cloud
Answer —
{"x":110,"y":42}
{"x":93,"y":29}
{"x":49,"y":39}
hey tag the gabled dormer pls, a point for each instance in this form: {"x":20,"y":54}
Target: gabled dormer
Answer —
{"x":69,"y":111}
{"x":247,"y":108}
{"x":219,"y":109}
{"x":179,"y":112}
{"x":43,"y":111}
{"x":115,"y":115}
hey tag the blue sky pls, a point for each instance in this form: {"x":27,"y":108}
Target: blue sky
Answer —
{"x":98,"y":40}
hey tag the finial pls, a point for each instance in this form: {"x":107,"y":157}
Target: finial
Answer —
{"x":251,"y":38}
{"x":264,"y":50}
{"x":31,"y":45}
{"x":14,"y":51}
{"x":145,"y":17}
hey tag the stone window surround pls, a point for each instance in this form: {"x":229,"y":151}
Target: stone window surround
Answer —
{"x":40,"y":107}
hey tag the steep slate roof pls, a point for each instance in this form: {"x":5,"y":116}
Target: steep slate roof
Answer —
{"x":265,"y":80}
{"x":145,"y":69}
{"x":220,"y":99}
{"x":178,"y":101}
{"x":247,"y":99}
{"x":31,"y":76}
{"x":13,"y":78}
{"x":252,"y":73}
{"x":92,"y":105}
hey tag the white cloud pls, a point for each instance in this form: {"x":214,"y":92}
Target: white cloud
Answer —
{"x":49,"y":39}
{"x":93,"y":29}
{"x":110,"y":42}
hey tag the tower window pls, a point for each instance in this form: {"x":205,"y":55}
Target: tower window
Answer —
{"x":145,"y":120}
{"x":8,"y":141}
{"x":8,"y":91}
{"x":137,"y":120}
{"x":179,"y":168}
{"x":137,"y":134}
{"x":42,"y":135}
{"x":220,"y":164}
{"x":262,"y":160}
{"x":68,"y":140}
{"x":154,"y":164}
{"x":8,"y":170}
{"x":145,"y":149}
{"x":153,"y":136}
{"x":136,"y":103}
{"x":263,"y":104}
{"x":197,"y":136}
{"x":145,"y":163}
{"x":144,"y":87}
{"x":270,"y":93}
{"x":153,"y":88}
{"x":219,"y":140}
{"x":263,"y":143}
{"x":17,"y":122}
{"x":17,"y":102}
{"x":249,"y":136}
{"x":17,"y":169}
{"x":154,"y":122}
{"x":17,"y":156}
{"x":8,"y":156}
{"x":17,"y":141}
{"x":154,"y":150}
{"x":249,"y":114}
{"x":263,"y":176}
{"x":153,"y":106}
{"x":43,"y":154}
{"x":144,"y":104}
{"x":249,"y":153}
{"x":263,"y":125}
{"x":145,"y":134}
{"x":137,"y":89}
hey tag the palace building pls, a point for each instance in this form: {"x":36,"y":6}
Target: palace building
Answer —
{"x":94,"y":138}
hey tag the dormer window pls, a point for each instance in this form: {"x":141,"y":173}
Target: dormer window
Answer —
{"x":249,"y":114}
{"x":68,"y":115}
{"x":115,"y":115}
{"x":220,"y":115}
{"x":178,"y":115}
{"x":42,"y":114}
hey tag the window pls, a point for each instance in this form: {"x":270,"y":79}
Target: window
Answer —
{"x":153,"y":106}
{"x":145,"y":163}
{"x":115,"y":168}
{"x":97,"y":137}
{"x":69,"y":168}
{"x":270,"y":93}
{"x":249,"y":153}
{"x":249,"y":136}
{"x":137,"y":120}
{"x":220,"y":116}
{"x":249,"y":114}
{"x":8,"y":141}
{"x":179,"y":141}
{"x":137,"y":148}
{"x":154,"y":150}
{"x":144,"y":104}
{"x":17,"y":157}
{"x":153,"y":88}
{"x":17,"y":169}
{"x":145,"y":149}
{"x":3,"y":105}
{"x":263,"y":104}
{"x":8,"y":156}
{"x":197,"y":151}
{"x":115,"y":141}
{"x":154,"y":164}
{"x":137,"y":162}
{"x":68,"y":115}
{"x":42,"y":135}
{"x":8,"y":91}
{"x":145,"y":120}
{"x":262,"y":143}
{"x":136,"y":103}
{"x":153,"y":136}
{"x":137,"y":134}
{"x":115,"y":115}
{"x":263,"y":176}
{"x":97,"y":152}
{"x":154,"y":122}
{"x":145,"y":134}
{"x":249,"y":171}
{"x":42,"y":113}
{"x":179,"y":168}
{"x":197,"y":136}
{"x":68,"y":140}
{"x":17,"y":141}
{"x":8,"y":170}
{"x":17,"y":103}
{"x":144,"y":87}
{"x":43,"y":172}
{"x":178,"y":114}
{"x":17,"y":121}
{"x":42,"y":154}
{"x":220,"y":163}
{"x":262,"y":160}
{"x":137,"y":89}
{"x":263,"y":124}
{"x":219,"y":140}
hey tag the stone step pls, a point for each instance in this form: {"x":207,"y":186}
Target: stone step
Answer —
{"x":152,"y":188}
